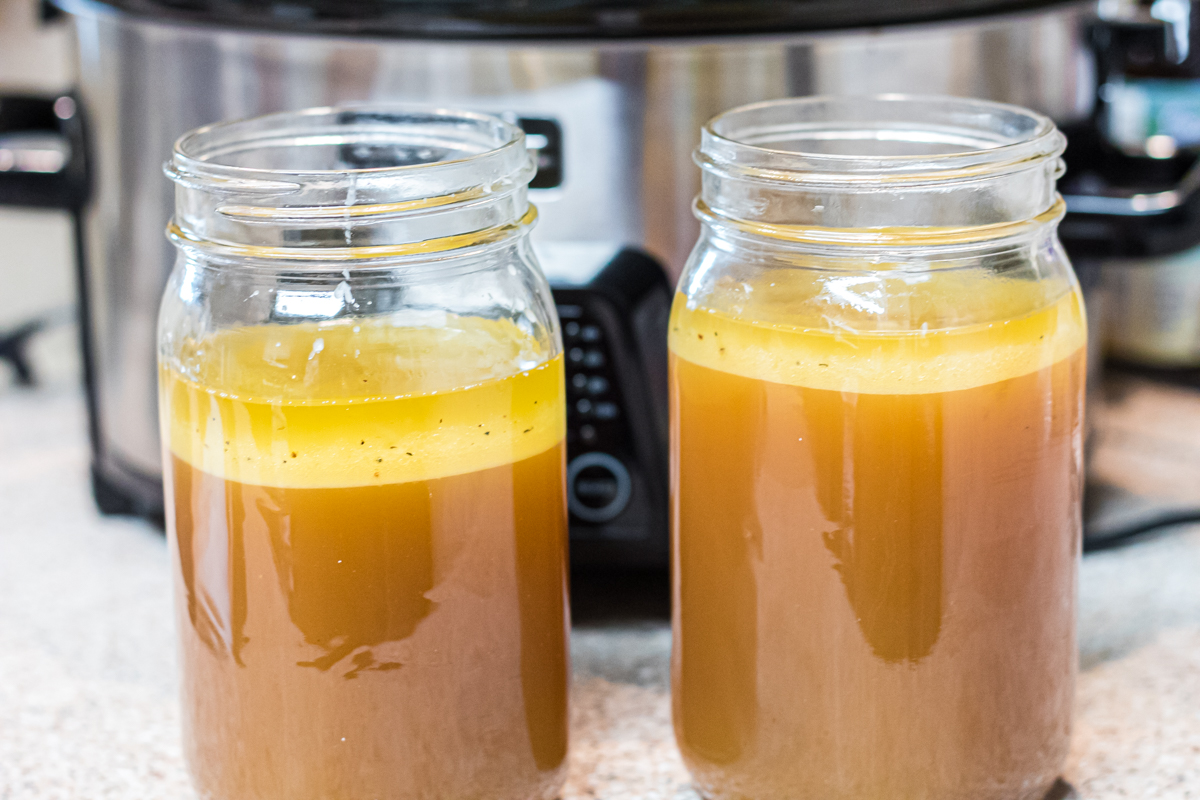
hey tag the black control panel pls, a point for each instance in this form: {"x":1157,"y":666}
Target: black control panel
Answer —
{"x":615,"y":342}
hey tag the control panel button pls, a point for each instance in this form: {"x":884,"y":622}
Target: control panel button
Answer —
{"x":592,"y":359}
{"x":597,"y":384}
{"x":571,"y":329}
{"x":580,"y":381}
{"x":605,"y":410}
{"x":570,"y":311}
{"x":584,"y":406}
{"x":590,"y":333}
{"x":587,"y":433}
{"x":598,"y":487}
{"x":575,"y":355}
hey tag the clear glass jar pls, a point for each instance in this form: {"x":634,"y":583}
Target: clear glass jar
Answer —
{"x":877,"y":375}
{"x":363,"y":419}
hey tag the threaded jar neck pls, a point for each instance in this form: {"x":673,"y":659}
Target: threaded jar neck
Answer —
{"x":368,"y":182}
{"x":878,"y":171}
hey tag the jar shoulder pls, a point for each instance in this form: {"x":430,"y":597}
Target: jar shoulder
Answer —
{"x":274,"y":331}
{"x":877,"y":325}
{"x":875,"y":291}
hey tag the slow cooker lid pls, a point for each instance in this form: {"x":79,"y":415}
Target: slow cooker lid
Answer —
{"x":554,"y":19}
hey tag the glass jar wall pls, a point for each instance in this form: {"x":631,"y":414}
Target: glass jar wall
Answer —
{"x":877,"y":392}
{"x":363,"y":420}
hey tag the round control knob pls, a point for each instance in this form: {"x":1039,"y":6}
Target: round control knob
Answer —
{"x":598,"y":487}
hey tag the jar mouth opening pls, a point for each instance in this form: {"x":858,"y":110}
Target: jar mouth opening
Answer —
{"x":365,"y":181}
{"x":906,"y":139}
{"x":371,"y":140}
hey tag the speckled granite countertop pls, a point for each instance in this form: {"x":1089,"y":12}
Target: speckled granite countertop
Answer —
{"x":87,"y":693}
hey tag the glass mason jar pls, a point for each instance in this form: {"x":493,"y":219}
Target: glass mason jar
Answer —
{"x":363,"y":419}
{"x":877,"y":394}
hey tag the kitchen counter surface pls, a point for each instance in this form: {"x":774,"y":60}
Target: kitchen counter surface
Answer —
{"x":87,"y":672}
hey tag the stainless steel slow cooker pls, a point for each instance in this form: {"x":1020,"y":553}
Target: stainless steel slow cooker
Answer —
{"x":613,"y":94}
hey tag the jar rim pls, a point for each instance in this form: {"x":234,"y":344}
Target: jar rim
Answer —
{"x":362,"y":181}
{"x":196,"y":152}
{"x":901,"y":139}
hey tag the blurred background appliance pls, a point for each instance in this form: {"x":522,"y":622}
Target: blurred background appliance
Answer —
{"x":1133,"y":184}
{"x":611,"y":92}
{"x":1136,"y":166}
{"x":1133,"y":226}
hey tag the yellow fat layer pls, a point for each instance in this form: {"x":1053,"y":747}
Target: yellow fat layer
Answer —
{"x":336,"y":405}
{"x":792,"y":327}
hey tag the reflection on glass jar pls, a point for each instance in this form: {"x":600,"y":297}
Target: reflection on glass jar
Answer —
{"x":877,"y":394}
{"x":363,"y":415}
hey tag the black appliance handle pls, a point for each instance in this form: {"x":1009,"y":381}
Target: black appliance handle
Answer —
{"x":1143,"y":205}
{"x":44,"y":164}
{"x":1134,"y":225}
{"x":43,"y":158}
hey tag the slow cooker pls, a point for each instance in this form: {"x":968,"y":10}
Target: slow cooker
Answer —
{"x":613,"y":95}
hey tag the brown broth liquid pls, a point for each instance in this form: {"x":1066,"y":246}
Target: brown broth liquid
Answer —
{"x":355,"y":623}
{"x":874,"y":592}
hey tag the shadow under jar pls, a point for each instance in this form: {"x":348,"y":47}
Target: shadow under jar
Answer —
{"x":877,"y":374}
{"x":363,"y":419}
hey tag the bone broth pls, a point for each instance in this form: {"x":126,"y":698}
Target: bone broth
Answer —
{"x":370,"y":535}
{"x":875,"y":535}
